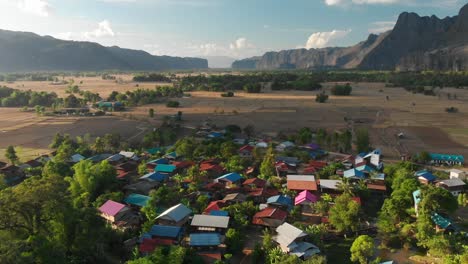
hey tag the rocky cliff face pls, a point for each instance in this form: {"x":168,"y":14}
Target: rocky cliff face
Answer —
{"x":416,"y":43}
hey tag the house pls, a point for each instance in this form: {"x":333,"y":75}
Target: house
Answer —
{"x":446,"y":159}
{"x":30,"y":164}
{"x":442,"y":223}
{"x":374,"y":158}
{"x":155,"y":176}
{"x":330,"y":186}
{"x":260,"y":195}
{"x":215,"y":206}
{"x":177,"y":215}
{"x":285,"y":145}
{"x":183,"y":165}
{"x":115,"y":159}
{"x":301,"y":182}
{"x":425,"y":177}
{"x":283,"y":168}
{"x":219,"y":213}
{"x":12,"y":174}
{"x":229,"y":179}
{"x":210,"y":223}
{"x":454,"y":186}
{"x":165,"y":168}
{"x":211,"y":257}
{"x":143,"y":187}
{"x":171,"y":232}
{"x":235,"y":198}
{"x":126,"y":169}
{"x":137,"y":200}
{"x":76,"y":158}
{"x":354,"y":173}
{"x":254,"y":183}
{"x":280,"y":201}
{"x":457,"y":174}
{"x":246,"y":151}
{"x":291,"y":241}
{"x":204,"y":240}
{"x":160,"y":235}
{"x":292,"y":161}
{"x":270,"y":217}
{"x":113,"y":211}
{"x":212,"y":167}
{"x":129,"y":155}
{"x":376,"y":186}
{"x":99,"y":157}
{"x":305,"y":198}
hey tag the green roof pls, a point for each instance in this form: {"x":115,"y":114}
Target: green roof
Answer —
{"x":137,"y":199}
{"x":440,"y":221}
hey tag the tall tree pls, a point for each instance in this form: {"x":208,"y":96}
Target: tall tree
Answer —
{"x":362,"y":249}
{"x":267,"y":168}
{"x":344,"y":215}
{"x":362,"y":140}
{"x":10,"y":155}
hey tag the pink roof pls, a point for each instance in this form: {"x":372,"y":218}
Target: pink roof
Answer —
{"x":111,"y":208}
{"x":305,"y":196}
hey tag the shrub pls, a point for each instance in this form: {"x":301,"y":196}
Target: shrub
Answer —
{"x":253,"y":88}
{"x":342,"y":90}
{"x":173,"y":104}
{"x":228,"y":94}
{"x":451,"y":110}
{"x":321,"y":98}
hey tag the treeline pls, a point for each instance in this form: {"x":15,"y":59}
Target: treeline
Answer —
{"x":145,"y":96}
{"x":17,"y":98}
{"x":152,"y":77}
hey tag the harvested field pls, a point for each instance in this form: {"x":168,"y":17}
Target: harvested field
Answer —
{"x":422,"y":118}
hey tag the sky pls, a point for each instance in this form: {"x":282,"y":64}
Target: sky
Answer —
{"x":201,"y":28}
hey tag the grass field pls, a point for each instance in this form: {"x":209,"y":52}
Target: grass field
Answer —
{"x":421,"y":118}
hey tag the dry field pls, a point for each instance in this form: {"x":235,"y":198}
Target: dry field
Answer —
{"x":421,"y":118}
{"x":92,"y":84}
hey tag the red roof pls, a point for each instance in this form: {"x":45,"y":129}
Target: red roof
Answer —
{"x":149,"y":245}
{"x":183,"y":164}
{"x":302,"y":185}
{"x":215,"y":206}
{"x":210,"y":257}
{"x":272,"y":212}
{"x":265,"y":192}
{"x":310,"y":170}
{"x":246,"y":148}
{"x":255,"y":181}
{"x":357,"y":200}
{"x":206,"y":166}
{"x":317,"y":164}
{"x":377,"y":187}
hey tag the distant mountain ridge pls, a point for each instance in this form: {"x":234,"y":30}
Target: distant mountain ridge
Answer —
{"x":24,"y":51}
{"x":415,"y":43}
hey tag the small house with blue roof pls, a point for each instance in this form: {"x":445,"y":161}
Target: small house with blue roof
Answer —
{"x":425,"y":177}
{"x":442,"y":223}
{"x":229,"y":179}
{"x":137,"y":200}
{"x":165,"y":168}
{"x":155,"y":176}
{"x":354,"y":173}
{"x":177,"y":215}
{"x":280,"y":201}
{"x":205,"y":240}
{"x":161,"y":231}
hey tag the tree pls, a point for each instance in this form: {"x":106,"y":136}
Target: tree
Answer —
{"x":249,"y":130}
{"x":344,"y":215}
{"x":234,"y":240}
{"x":99,"y":145}
{"x":305,"y":135}
{"x":362,"y":249}
{"x":10,"y":154}
{"x":362,"y":140}
{"x":321,"y":98}
{"x":151,"y":112}
{"x":267,"y":168}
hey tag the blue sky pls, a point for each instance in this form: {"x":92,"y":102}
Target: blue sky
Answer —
{"x":235,"y":28}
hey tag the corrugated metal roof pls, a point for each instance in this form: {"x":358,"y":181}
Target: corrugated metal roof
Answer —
{"x":165,"y":231}
{"x":111,"y":208}
{"x":440,"y":221}
{"x":447,"y":157}
{"x":330,"y":184}
{"x":205,"y":239}
{"x":232,"y":177}
{"x":175,"y":213}
{"x":353,"y":173}
{"x":155,"y":176}
{"x":165,"y":168}
{"x":219,"y":213}
{"x":287,"y":234}
{"x":137,"y":199}
{"x":210,"y":221}
{"x":301,"y":178}
{"x":280,"y":199}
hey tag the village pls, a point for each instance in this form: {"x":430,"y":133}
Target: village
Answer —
{"x":233,"y":197}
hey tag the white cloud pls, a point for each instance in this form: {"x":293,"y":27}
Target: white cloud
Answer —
{"x":35,"y":7}
{"x":241,"y":43}
{"x":381,"y":26}
{"x":324,"y":39}
{"x":103,"y":30}
{"x":432,"y":3}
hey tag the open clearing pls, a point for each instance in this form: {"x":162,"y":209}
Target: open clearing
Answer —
{"x":421,"y":118}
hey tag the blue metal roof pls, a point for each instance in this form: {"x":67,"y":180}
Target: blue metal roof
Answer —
{"x":176,"y":213}
{"x":137,"y":199}
{"x":159,"y":161}
{"x":365,"y":168}
{"x":353,"y":173}
{"x":219,"y":213}
{"x":426,"y":175}
{"x":155,"y":176}
{"x":205,"y":239}
{"x":232,"y":177}
{"x":215,"y":135}
{"x":165,"y":231}
{"x":165,"y":168}
{"x":446,"y":157}
{"x":280,"y":199}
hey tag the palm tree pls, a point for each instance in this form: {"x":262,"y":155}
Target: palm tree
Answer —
{"x":346,"y":187}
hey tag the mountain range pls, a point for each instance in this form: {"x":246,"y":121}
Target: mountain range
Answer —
{"x":416,"y":43}
{"x":26,"y":52}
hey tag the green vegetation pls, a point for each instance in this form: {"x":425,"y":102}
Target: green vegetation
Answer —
{"x":321,"y":98}
{"x":152,"y":77}
{"x":172,"y":104}
{"x":362,"y":249}
{"x":10,"y":154}
{"x":16,"y":98}
{"x":342,"y":90}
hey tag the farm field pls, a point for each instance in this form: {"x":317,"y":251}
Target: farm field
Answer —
{"x":422,"y":119}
